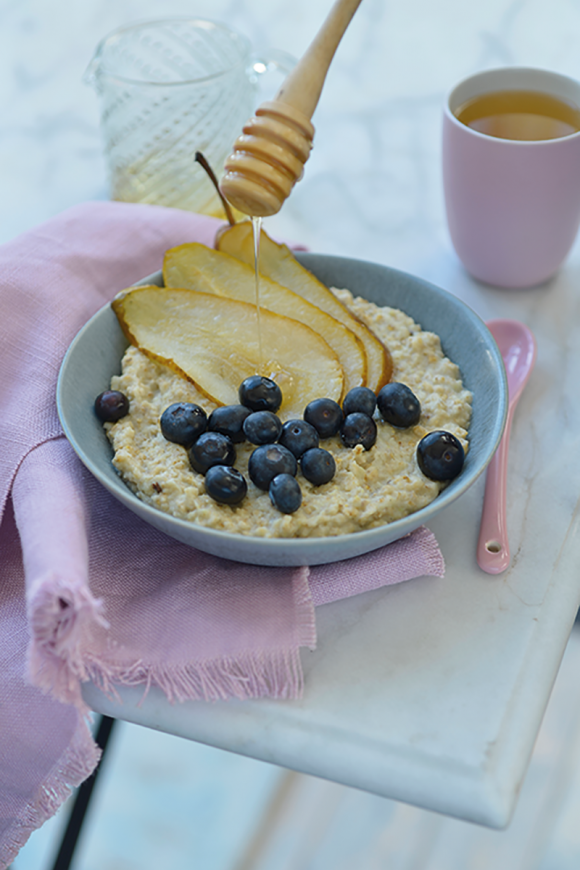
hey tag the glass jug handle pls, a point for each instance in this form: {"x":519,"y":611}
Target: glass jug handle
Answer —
{"x":261,"y":65}
{"x":91,"y":75}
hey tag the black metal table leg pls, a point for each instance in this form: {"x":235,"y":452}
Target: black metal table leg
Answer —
{"x":81,"y":801}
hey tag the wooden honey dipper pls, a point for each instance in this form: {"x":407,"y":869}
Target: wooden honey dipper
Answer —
{"x":269,"y":157}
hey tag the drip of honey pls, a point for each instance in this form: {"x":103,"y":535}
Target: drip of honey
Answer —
{"x":268,"y":368}
{"x":257,"y":228}
{"x":521,"y":115}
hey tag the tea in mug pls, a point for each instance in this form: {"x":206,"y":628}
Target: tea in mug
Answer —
{"x":523,"y":115}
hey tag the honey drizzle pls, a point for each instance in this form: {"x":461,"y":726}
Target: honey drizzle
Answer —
{"x":257,"y":228}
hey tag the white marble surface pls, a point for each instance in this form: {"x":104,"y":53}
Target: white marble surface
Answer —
{"x":162,"y":801}
{"x":433,"y":692}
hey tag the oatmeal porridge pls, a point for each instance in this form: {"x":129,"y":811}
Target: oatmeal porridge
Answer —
{"x":370,"y":488}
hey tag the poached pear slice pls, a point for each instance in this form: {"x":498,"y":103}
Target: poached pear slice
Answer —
{"x":278,"y":263}
{"x":198,"y":267}
{"x":213,"y":342}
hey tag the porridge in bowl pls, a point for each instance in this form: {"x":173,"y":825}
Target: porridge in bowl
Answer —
{"x":370,"y":487}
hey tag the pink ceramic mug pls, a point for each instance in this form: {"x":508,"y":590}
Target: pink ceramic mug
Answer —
{"x":513,"y":206}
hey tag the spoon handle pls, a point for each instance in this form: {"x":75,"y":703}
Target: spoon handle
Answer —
{"x":493,"y":552}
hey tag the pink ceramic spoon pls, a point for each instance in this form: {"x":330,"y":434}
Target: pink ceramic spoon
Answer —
{"x":518,"y":349}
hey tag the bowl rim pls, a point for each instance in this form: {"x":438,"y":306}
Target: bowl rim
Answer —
{"x":366,"y":539}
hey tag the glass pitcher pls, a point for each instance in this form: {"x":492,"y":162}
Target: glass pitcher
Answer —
{"x":168,"y":89}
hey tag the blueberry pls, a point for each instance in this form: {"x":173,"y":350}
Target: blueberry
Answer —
{"x":225,"y":485}
{"x":325,"y":415}
{"x":260,"y":394}
{"x":183,"y":423}
{"x":318,"y":465}
{"x":268,"y":461}
{"x":229,"y":420}
{"x":399,"y":406}
{"x":285,"y":493}
{"x":298,"y":436}
{"x":111,"y":405}
{"x":262,"y":427}
{"x":359,"y":400}
{"x":440,"y":455}
{"x":210,"y":449}
{"x":358,"y":429}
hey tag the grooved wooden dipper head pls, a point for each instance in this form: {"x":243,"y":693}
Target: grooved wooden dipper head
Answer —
{"x":268,"y":158}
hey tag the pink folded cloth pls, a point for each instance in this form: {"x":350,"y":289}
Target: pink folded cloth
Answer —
{"x":88,"y":590}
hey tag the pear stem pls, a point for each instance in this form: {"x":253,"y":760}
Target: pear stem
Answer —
{"x":199,"y":158}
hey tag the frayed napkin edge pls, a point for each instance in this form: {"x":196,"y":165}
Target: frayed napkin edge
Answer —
{"x":77,"y":762}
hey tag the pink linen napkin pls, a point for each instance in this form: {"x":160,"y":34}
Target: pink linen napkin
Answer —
{"x":88,"y":590}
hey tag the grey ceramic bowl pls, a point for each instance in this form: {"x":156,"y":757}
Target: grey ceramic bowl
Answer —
{"x":96,"y":352}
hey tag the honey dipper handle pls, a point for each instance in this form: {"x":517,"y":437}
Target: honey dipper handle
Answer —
{"x":268,"y":158}
{"x":302,"y":88}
